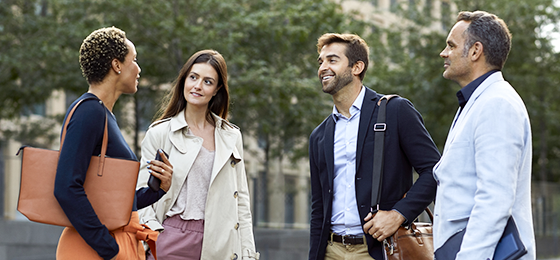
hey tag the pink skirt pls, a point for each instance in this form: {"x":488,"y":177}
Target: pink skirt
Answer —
{"x":180,"y":240}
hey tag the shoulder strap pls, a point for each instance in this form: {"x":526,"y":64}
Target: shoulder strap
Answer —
{"x":378,"y":153}
{"x":105,"y":135}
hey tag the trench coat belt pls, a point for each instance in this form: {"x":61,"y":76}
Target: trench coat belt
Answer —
{"x":143,"y":233}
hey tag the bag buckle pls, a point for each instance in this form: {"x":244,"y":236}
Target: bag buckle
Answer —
{"x":379,"y":127}
{"x":389,"y":245}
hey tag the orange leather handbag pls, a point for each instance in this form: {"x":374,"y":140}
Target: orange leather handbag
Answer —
{"x":110,"y":185}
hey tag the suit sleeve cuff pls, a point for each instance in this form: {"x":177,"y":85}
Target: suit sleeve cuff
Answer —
{"x":405,"y":219}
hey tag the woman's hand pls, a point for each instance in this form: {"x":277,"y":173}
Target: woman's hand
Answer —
{"x":161,"y":170}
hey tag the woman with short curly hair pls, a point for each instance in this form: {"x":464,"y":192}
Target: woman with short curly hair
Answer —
{"x":108,"y":62}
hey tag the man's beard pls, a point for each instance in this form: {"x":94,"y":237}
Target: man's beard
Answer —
{"x":339,"y":82}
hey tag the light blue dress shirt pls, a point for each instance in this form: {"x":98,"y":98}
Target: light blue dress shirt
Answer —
{"x":345,"y":219}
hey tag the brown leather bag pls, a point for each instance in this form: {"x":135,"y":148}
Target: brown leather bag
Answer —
{"x":413,"y":242}
{"x":110,"y":185}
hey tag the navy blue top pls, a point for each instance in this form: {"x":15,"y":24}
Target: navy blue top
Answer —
{"x":83,"y":139}
{"x":465,"y":93}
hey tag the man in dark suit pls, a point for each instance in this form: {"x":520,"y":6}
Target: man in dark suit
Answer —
{"x":341,"y":159}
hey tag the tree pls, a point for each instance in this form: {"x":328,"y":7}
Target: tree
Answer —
{"x":37,"y":57}
{"x":277,"y":92}
{"x":532,"y":68}
{"x":407,"y":62}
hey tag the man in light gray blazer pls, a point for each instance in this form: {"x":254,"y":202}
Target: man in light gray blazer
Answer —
{"x":484,"y":174}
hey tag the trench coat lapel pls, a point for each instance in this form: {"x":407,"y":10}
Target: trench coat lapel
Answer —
{"x":189,"y":146}
{"x":224,"y":142}
{"x":328,"y":146}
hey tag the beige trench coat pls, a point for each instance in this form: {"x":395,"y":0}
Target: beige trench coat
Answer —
{"x":228,"y":231}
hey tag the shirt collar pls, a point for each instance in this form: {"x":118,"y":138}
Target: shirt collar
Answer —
{"x":356,"y":106}
{"x":465,"y":93}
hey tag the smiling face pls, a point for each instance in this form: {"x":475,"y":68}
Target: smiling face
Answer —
{"x":456,"y":60}
{"x":201,"y":84}
{"x":130,"y":71}
{"x":334,"y":71}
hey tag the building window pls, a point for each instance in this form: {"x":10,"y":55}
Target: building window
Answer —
{"x":2,"y":189}
{"x":394,"y":5}
{"x":289,"y":200}
{"x":445,"y":21}
{"x":428,"y":8}
{"x":145,"y":107}
{"x":35,"y":109}
{"x":412,"y":11}
{"x":261,"y":197}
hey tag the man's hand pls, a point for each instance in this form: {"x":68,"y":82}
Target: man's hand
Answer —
{"x":383,"y":224}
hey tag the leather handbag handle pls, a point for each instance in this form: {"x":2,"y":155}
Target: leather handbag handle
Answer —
{"x":103,"y":143}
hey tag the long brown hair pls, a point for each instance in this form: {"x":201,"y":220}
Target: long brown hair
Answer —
{"x":175,"y":101}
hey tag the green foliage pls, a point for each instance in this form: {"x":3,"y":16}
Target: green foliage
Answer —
{"x":533,"y":70}
{"x":407,"y":63}
{"x":269,"y":47}
{"x":274,"y":69}
{"x":34,"y":56}
{"x":270,"y":50}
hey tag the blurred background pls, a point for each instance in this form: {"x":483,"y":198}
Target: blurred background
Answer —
{"x":270,"y":49}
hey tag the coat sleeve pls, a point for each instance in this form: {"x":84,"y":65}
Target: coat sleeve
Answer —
{"x":244,"y":205}
{"x":150,"y":144}
{"x":316,"y":221}
{"x":422,"y":153}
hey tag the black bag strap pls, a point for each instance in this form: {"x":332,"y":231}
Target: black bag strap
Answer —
{"x":378,"y":153}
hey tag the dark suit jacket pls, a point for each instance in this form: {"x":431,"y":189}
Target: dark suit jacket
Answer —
{"x":407,"y":145}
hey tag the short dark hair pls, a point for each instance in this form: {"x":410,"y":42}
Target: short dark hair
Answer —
{"x":219,"y":104}
{"x":356,"y":48}
{"x":98,"y":51}
{"x":492,"y":32}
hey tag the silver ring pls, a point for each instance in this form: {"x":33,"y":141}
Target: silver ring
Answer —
{"x":162,"y":171}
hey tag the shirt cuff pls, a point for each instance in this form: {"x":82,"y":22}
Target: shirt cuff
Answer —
{"x":154,"y":225}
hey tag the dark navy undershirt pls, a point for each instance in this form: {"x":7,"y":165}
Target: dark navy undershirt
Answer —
{"x":83,"y":139}
{"x":465,"y":93}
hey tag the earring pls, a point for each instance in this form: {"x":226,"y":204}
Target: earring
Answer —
{"x":119,"y":72}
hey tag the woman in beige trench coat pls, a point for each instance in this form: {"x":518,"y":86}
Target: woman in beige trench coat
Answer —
{"x":206,"y":212}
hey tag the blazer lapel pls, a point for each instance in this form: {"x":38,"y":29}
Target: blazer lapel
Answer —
{"x":328,"y":146}
{"x":459,"y":122}
{"x":366,"y":113}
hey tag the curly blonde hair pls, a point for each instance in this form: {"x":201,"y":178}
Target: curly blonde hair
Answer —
{"x":98,"y":51}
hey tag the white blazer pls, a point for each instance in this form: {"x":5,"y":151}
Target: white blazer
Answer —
{"x":484,"y":174}
{"x":228,"y":229}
